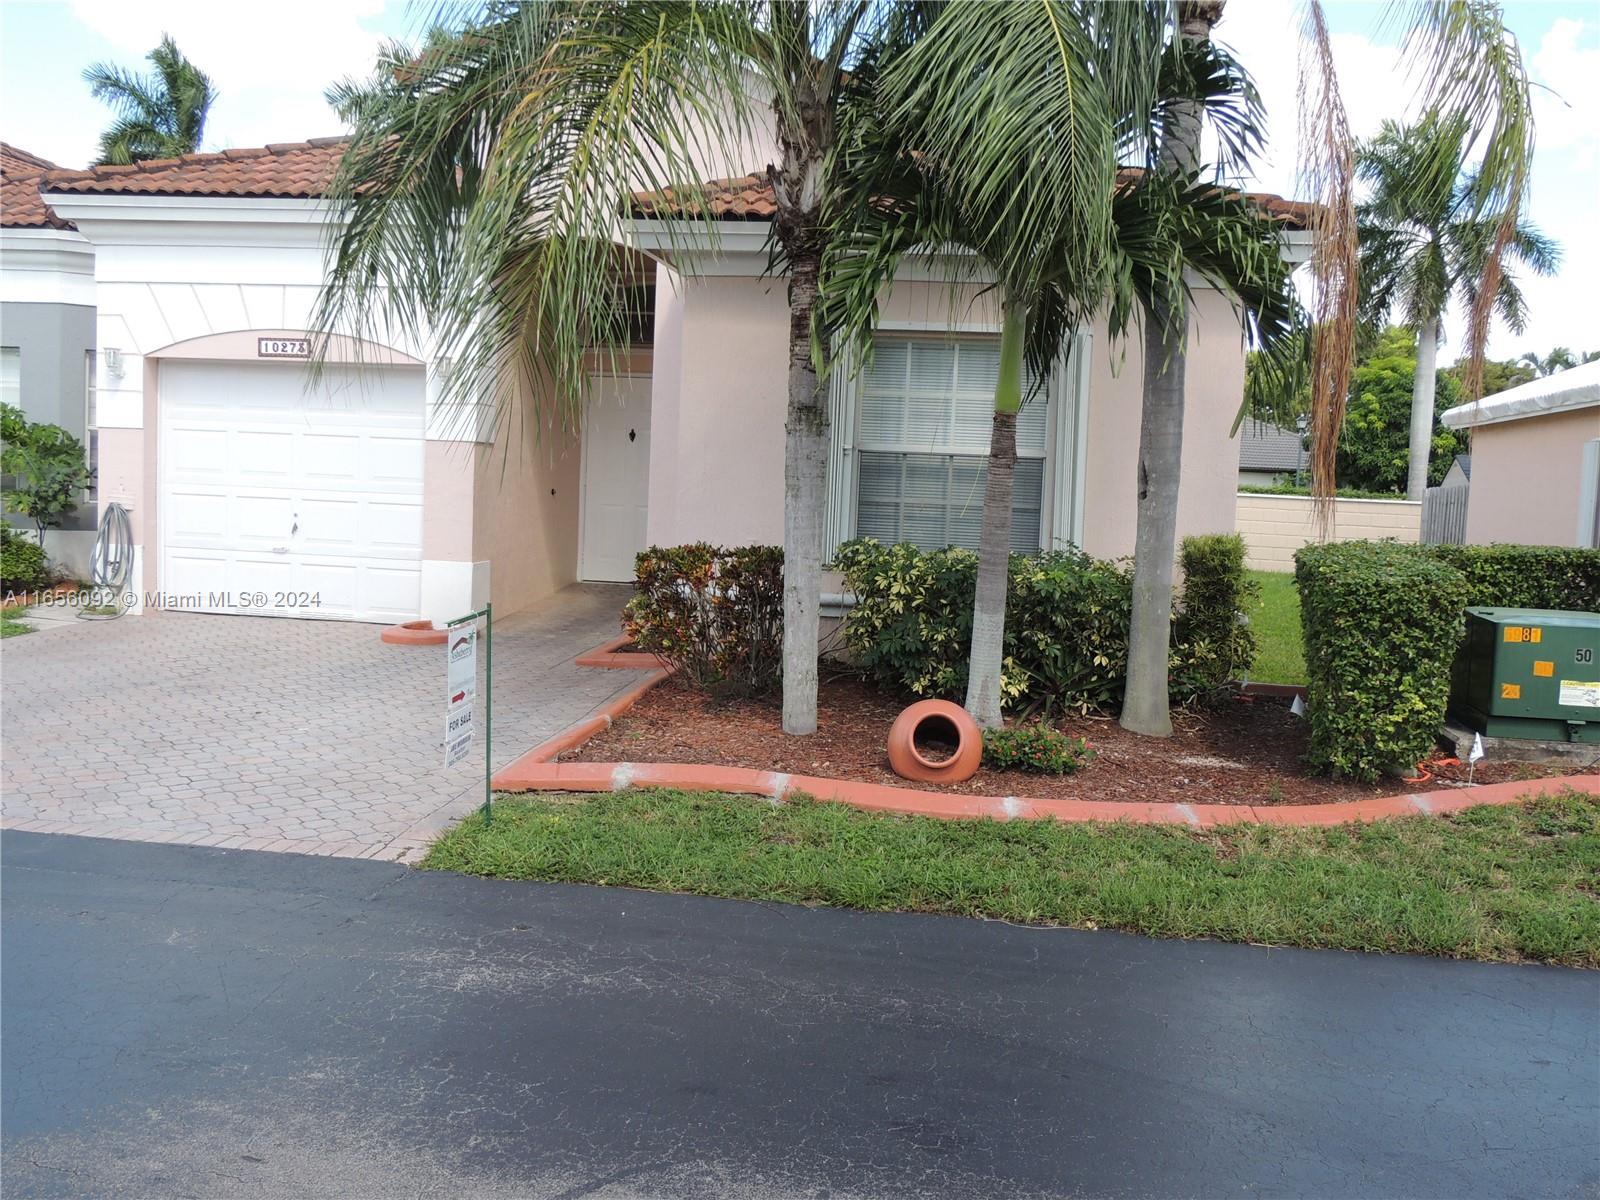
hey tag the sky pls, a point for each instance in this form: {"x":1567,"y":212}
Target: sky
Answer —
{"x":273,"y":61}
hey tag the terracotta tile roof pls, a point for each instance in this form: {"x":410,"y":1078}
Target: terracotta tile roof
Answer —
{"x":21,"y":206}
{"x":288,"y":170}
{"x":741,"y":198}
{"x":750,"y":198}
{"x":15,"y":161}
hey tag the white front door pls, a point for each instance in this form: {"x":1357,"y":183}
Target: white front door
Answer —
{"x":616,"y":477}
{"x":280,"y":501}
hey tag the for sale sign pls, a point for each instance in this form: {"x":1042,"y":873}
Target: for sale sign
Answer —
{"x":461,"y":686}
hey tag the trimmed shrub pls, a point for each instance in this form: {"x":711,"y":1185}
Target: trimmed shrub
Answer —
{"x":1217,"y":591}
{"x":1042,"y":749}
{"x":22,"y":563}
{"x":715,"y":615}
{"x":1509,"y":576}
{"x":1382,"y":623}
{"x":1067,"y":618}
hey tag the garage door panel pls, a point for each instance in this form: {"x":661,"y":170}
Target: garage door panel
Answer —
{"x":262,"y":520}
{"x":269,"y":575}
{"x":254,"y":462}
{"x":395,"y":525}
{"x":197,"y":454}
{"x":192,"y":573}
{"x":196,"y":516}
{"x":260,"y":457}
{"x":329,"y":459}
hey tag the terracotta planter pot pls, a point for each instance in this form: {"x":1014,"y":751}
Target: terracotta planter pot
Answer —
{"x":414,"y":633}
{"x":949,"y":723}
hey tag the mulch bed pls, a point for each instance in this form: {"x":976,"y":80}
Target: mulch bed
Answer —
{"x":1246,"y":751}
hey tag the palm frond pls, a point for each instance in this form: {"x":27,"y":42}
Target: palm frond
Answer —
{"x":1326,"y":176}
{"x":1474,"y":70}
{"x":483,"y":188}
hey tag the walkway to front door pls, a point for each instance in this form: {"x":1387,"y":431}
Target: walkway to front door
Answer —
{"x":309,"y":736}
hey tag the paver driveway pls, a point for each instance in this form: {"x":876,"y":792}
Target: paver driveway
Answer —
{"x":272,"y":734}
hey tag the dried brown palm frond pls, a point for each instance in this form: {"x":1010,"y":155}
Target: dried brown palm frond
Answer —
{"x":1327,"y":176}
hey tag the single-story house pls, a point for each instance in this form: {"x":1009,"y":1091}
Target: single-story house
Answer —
{"x":1268,"y":453}
{"x":1535,"y":460}
{"x":366,"y":494}
{"x":47,"y":329}
{"x":1460,"y":472}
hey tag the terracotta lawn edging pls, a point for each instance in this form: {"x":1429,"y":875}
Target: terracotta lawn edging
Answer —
{"x":608,"y":657}
{"x":537,"y":771}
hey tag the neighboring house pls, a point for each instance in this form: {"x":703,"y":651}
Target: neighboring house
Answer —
{"x":1535,"y":461}
{"x":47,"y":329}
{"x":366,"y":494}
{"x":1268,"y":453}
{"x":1460,"y":472}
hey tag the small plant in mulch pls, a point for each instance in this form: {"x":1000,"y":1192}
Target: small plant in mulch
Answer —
{"x":1042,"y":749}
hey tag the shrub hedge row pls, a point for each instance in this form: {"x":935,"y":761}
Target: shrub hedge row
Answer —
{"x":1383,"y":623}
{"x":1508,"y":576}
{"x":1067,"y":617}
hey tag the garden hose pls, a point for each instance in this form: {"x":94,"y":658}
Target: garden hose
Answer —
{"x":111,"y":567}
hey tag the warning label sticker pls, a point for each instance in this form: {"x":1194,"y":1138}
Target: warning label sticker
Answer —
{"x":1580,"y":694}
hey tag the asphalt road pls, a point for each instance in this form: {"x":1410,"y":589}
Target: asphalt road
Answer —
{"x":188,"y":1022}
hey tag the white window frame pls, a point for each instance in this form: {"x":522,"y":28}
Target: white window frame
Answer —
{"x":15,"y":352}
{"x":1066,"y":438}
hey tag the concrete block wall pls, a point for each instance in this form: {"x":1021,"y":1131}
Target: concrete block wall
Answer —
{"x":1274,"y":527}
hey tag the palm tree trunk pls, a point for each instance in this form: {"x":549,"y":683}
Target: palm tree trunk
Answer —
{"x":805,"y":479}
{"x":1145,"y":706}
{"x":994,"y":542}
{"x":1422,"y":393}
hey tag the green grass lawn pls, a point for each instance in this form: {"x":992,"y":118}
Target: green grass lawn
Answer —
{"x":1518,"y":883}
{"x":10,"y":626}
{"x":1280,"y":656}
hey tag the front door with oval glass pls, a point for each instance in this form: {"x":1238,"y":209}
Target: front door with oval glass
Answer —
{"x":616,"y":477}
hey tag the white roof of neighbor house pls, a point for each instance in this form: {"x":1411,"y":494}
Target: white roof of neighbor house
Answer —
{"x":1576,"y":387}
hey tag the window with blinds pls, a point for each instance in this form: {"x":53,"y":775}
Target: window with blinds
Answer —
{"x":924,"y":409}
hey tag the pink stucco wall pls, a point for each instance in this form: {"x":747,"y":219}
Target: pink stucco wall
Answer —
{"x":525,"y":510}
{"x":1213,"y":386}
{"x":716,"y":412}
{"x":1526,"y":478}
{"x":717,"y":420}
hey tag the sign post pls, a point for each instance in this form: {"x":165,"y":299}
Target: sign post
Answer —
{"x":461,"y":687}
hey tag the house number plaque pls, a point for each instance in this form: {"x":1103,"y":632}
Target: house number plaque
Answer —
{"x":283,"y":347}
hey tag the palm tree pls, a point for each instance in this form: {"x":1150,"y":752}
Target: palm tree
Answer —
{"x":484,"y":175}
{"x":1423,"y":245}
{"x":968,"y":95}
{"x":160,"y":115}
{"x":1473,"y":72}
{"x":1558,"y":359}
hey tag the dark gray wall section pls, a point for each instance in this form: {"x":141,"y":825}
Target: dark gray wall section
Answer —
{"x":52,"y":340}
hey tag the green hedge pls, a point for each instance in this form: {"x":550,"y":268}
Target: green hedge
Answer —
{"x":1508,"y":576}
{"x":1217,"y":592}
{"x":1067,"y":618}
{"x":1382,"y":624}
{"x":23,"y":567}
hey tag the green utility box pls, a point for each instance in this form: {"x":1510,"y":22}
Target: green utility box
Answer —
{"x":1529,"y":673}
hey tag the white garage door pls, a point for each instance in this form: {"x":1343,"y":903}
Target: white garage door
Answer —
{"x":289,"y":502}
